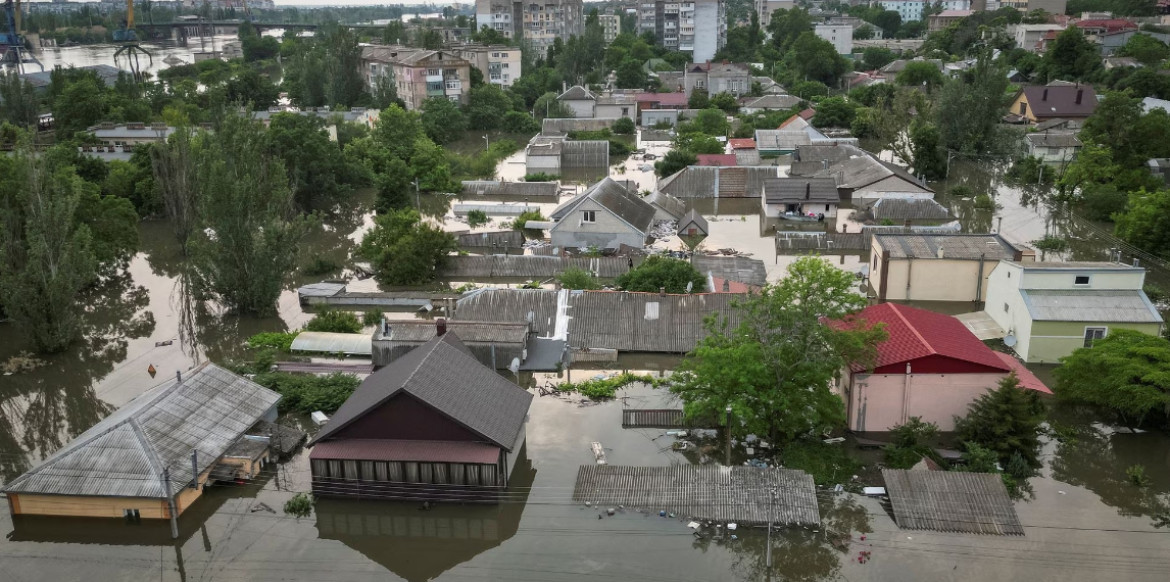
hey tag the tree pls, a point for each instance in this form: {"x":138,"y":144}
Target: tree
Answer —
{"x":863,"y":32}
{"x":251,"y":88}
{"x":1147,"y":222}
{"x":658,"y":272}
{"x":631,"y":75}
{"x":404,"y":250}
{"x":726,"y":102}
{"x":1005,"y":420}
{"x":578,"y":278}
{"x":316,"y":169}
{"x":889,"y":21}
{"x":920,"y":74}
{"x":774,"y":369}
{"x":48,"y":253}
{"x":174,"y":167}
{"x":398,"y":129}
{"x":430,"y":167}
{"x":969,"y":109}
{"x":877,"y":57}
{"x":674,"y":161}
{"x":698,"y":99}
{"x":394,"y":186}
{"x":1071,"y":57}
{"x":442,"y":120}
{"x":81,"y":105}
{"x":787,"y":25}
{"x":486,"y":107}
{"x":624,"y":126}
{"x":1148,"y":50}
{"x":249,"y":231}
{"x":834,"y":112}
{"x":816,"y":59}
{"x":20,"y":101}
{"x":928,"y":159}
{"x":710,"y":121}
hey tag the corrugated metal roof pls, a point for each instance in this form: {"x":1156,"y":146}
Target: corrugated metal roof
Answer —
{"x":794,"y":190}
{"x":909,"y":209}
{"x":711,"y":182}
{"x":991,"y":247}
{"x":1054,"y":140}
{"x":668,"y":204}
{"x":781,"y":140}
{"x":125,"y":454}
{"x":495,"y":188}
{"x":616,"y":198}
{"x":467,"y":331}
{"x":322,"y":289}
{"x":443,"y":374}
{"x":404,"y":450}
{"x":535,"y":306}
{"x":645,"y":322}
{"x":1090,"y":305}
{"x":917,"y":333}
{"x":951,"y":501}
{"x":530,"y":266}
{"x":589,"y":153}
{"x":350,"y":344}
{"x":741,"y":269}
{"x":492,"y":240}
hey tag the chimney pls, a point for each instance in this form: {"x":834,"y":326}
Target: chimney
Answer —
{"x":1044,"y":97}
{"x":440,"y":327}
{"x":940,"y":252}
{"x":807,"y":190}
{"x":179,"y":376}
{"x":1080,"y":94}
{"x":662,"y":291}
{"x":726,"y":286}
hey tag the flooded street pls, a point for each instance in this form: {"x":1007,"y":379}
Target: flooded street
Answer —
{"x":1085,"y":521}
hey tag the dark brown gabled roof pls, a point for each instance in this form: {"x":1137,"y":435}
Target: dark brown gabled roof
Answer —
{"x":793,"y":190}
{"x":1061,"y":101}
{"x":443,"y":374}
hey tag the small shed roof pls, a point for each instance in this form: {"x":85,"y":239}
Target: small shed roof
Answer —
{"x":693,"y":219}
{"x":1053,"y":140}
{"x":467,"y":331}
{"x":577,"y":93}
{"x":742,"y":269}
{"x":742,"y":143}
{"x":909,"y":209}
{"x":668,"y":204}
{"x":445,"y":375}
{"x":990,"y":247}
{"x":951,"y":501}
{"x":792,"y":190}
{"x":350,"y":344}
{"x":126,"y":453}
{"x":1090,"y":305}
{"x":322,"y":289}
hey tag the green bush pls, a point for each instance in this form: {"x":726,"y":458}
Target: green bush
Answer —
{"x":604,"y":388}
{"x":961,"y":191}
{"x":578,"y":278}
{"x":306,"y":393}
{"x":984,"y":202}
{"x":1101,"y":202}
{"x":335,"y":321}
{"x":541,"y":177}
{"x":520,"y":122}
{"x":301,"y":505}
{"x":1051,"y":243}
{"x":372,"y":317}
{"x":476,"y":218}
{"x":828,"y":464}
{"x":1136,"y":475}
{"x":658,"y":272}
{"x":279,"y":340}
{"x":624,"y":126}
{"x":523,"y":218}
{"x":910,"y":443}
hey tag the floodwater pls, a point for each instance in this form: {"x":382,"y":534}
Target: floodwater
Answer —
{"x":1085,"y":522}
{"x":103,"y":54}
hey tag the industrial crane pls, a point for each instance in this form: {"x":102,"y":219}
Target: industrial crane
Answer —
{"x":12,"y":45}
{"x":130,"y":48}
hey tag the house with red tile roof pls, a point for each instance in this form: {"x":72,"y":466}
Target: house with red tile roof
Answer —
{"x":717,"y":160}
{"x":931,"y":366}
{"x":742,"y":143}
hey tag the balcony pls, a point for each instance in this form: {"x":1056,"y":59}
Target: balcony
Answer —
{"x":434,"y":78}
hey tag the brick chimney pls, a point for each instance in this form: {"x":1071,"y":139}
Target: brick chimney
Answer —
{"x":440,"y":326}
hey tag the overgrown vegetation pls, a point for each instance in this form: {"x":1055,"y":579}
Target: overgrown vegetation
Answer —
{"x":404,"y":250}
{"x":307,"y":393}
{"x":541,"y":177}
{"x":477,"y":218}
{"x":828,"y":464}
{"x":335,"y":321}
{"x":910,"y":443}
{"x":279,"y":340}
{"x":578,"y":278}
{"x":605,"y":388}
{"x":372,"y":318}
{"x":300,"y":505}
{"x":523,"y":218}
{"x":1051,"y":243}
{"x":658,"y":272}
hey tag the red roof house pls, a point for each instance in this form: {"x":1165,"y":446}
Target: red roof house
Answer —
{"x":661,"y":100}
{"x":931,"y":366}
{"x":742,"y":143}
{"x":1105,"y":25}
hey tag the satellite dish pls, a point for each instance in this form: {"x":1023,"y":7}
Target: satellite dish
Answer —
{"x":1009,"y":340}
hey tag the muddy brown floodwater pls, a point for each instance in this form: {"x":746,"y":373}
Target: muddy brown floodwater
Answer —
{"x":1085,"y":522}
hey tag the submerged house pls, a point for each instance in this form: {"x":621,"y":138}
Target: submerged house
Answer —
{"x":800,"y":197}
{"x":152,"y":457}
{"x":1050,"y":309}
{"x":605,"y":216}
{"x":931,"y":366}
{"x":495,"y":344}
{"x":433,"y":424}
{"x":937,"y":267}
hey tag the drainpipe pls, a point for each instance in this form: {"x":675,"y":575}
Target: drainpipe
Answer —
{"x":885,"y":271}
{"x":909,"y":275}
{"x":979,"y":281}
{"x":906,"y":395}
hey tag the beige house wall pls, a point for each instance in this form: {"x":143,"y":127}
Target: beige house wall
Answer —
{"x":76,"y":506}
{"x":879,"y":402}
{"x":932,"y":279}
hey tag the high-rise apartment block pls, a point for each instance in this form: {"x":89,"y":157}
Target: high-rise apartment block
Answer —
{"x":538,"y":22}
{"x":698,"y":27}
{"x":611,"y":24}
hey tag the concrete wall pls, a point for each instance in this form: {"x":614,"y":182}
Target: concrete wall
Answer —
{"x":928,"y":279}
{"x":878,"y":402}
{"x":1006,"y":305}
{"x":608,"y":231}
{"x":708,"y":30}
{"x":841,"y":35}
{"x":546,"y":164}
{"x":1064,"y":279}
{"x":629,"y":110}
{"x":777,"y":210}
{"x":582,"y":108}
{"x":651,"y":117}
{"x":1052,"y":340}
{"x":1052,"y":155}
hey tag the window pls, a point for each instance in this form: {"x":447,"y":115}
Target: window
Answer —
{"x":432,"y":72}
{"x":1081,"y":280}
{"x":130,"y":514}
{"x":1094,"y":333}
{"x":589,"y":216}
{"x":1023,"y":108}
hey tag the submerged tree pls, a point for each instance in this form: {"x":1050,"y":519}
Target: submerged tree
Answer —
{"x":658,"y":272}
{"x":48,"y":253}
{"x":404,"y":250}
{"x":173,"y":163}
{"x":249,"y":232}
{"x":775,"y":368}
{"x":1127,"y":373}
{"x":1005,"y":420}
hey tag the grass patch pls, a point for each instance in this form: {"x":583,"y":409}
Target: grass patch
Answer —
{"x":307,"y":393}
{"x":828,"y":464}
{"x":605,"y":388}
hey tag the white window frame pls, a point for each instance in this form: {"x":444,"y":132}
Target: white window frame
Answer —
{"x":1094,"y":329}
{"x":589,"y":216}
{"x":1088,"y":280}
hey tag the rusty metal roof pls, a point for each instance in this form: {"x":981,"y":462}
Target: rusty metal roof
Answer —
{"x":951,"y":501}
{"x":406,"y":450}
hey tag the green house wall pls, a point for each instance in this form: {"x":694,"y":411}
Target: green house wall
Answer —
{"x":1052,"y":340}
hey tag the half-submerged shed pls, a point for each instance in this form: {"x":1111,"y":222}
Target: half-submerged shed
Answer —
{"x":152,"y":457}
{"x":951,"y":501}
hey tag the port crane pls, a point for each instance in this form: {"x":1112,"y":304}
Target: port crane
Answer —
{"x":130,"y":50}
{"x":13,"y":51}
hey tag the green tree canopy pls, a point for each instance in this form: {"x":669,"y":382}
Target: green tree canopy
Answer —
{"x":834,"y":112}
{"x":398,"y":129}
{"x":774,"y":369}
{"x":442,"y":120}
{"x":920,"y":74}
{"x":674,"y":161}
{"x":404,"y":250}
{"x":1127,"y":373}
{"x":486,"y":107}
{"x":1005,"y":420}
{"x":1071,"y":57}
{"x":317,"y":171}
{"x":658,"y":272}
{"x":1146,"y":49}
{"x":816,"y":59}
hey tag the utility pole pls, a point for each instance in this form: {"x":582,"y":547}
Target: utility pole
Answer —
{"x":771,"y":512}
{"x":728,"y":462}
{"x":171,"y":503}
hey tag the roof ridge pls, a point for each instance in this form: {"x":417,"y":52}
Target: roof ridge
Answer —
{"x":896,"y":307}
{"x":152,"y":459}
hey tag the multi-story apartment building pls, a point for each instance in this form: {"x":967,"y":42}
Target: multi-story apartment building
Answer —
{"x":418,"y":74}
{"x":611,"y":24}
{"x":765,"y":8}
{"x":698,"y":26}
{"x":841,"y":35}
{"x":715,"y":78}
{"x":912,"y":9}
{"x":537,"y":21}
{"x":499,"y":64}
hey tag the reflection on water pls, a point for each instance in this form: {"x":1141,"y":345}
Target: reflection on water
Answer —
{"x":420,"y":544}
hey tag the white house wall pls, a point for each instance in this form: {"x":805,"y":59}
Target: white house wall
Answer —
{"x":608,"y":231}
